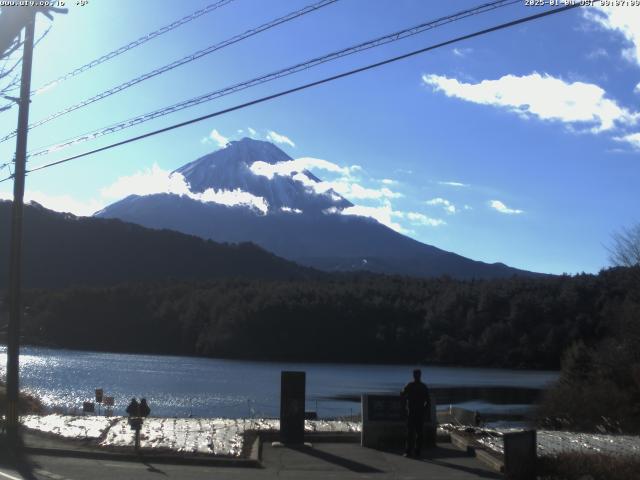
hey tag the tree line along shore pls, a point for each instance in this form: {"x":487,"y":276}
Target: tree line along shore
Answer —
{"x":587,"y":324}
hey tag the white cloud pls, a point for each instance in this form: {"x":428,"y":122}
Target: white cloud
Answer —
{"x":541,"y":96}
{"x":502,"y":208}
{"x":386,"y":215}
{"x":462,"y":52}
{"x":636,"y":89}
{"x":299,"y":165}
{"x":147,"y":182}
{"x":346,"y":187}
{"x":633,"y":139}
{"x":60,"y":203}
{"x":278,"y":138}
{"x":357,"y":191}
{"x":218,"y":138}
{"x":291,"y":210}
{"x":221,"y":141}
{"x":421,"y":219}
{"x":232,"y":198}
{"x":448,"y":206}
{"x":597,"y":53}
{"x":383,"y":214}
{"x":624,"y":20}
{"x":453,"y":184}
{"x":304,"y":179}
{"x":156,"y":180}
{"x":388,"y":181}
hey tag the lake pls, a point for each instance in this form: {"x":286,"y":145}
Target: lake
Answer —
{"x":206,"y":387}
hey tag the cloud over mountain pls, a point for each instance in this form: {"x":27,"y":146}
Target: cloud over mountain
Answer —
{"x":155,"y":180}
{"x":253,"y":191}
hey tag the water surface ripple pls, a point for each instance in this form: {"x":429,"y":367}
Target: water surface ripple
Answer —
{"x":206,"y":387}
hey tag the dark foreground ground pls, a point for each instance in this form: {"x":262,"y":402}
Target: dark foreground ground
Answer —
{"x":322,"y":460}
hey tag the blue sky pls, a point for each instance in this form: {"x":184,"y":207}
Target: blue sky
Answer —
{"x":521,"y":146}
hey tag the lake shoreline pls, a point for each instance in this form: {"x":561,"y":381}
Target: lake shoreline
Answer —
{"x":203,"y":387}
{"x":284,"y":360}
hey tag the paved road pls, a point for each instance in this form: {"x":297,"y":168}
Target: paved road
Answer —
{"x":323,"y":461}
{"x":350,"y":461}
{"x":65,"y":468}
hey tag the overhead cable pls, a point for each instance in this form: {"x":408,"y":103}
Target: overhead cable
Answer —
{"x":182,"y":61}
{"x":136,"y":43}
{"x":393,"y":37}
{"x":307,"y":86}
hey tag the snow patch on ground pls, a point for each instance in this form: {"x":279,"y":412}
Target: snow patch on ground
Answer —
{"x":216,"y":436}
{"x":552,"y":442}
{"x":225,"y":437}
{"x":89,"y":427}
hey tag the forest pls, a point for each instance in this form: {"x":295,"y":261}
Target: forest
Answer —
{"x":517,"y":322}
{"x":62,"y":250}
{"x":587,"y":325}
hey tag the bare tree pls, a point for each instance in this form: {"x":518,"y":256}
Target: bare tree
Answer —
{"x":12,"y":21}
{"x":625,"y":247}
{"x":10,"y":42}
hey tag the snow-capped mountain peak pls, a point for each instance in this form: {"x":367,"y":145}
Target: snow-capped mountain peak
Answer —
{"x":237,"y":167}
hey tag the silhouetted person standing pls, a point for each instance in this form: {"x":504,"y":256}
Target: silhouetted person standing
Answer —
{"x":416,"y":397}
{"x":135,"y":421}
{"x":133,"y":410}
{"x":144,"y":408}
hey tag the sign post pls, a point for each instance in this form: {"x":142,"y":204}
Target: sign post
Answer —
{"x":88,"y":407}
{"x":99,"y":395}
{"x":520,"y":455}
{"x":108,"y":403}
{"x":292,"y":405}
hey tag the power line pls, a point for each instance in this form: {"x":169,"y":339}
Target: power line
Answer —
{"x":189,"y":58}
{"x":130,"y":45}
{"x":6,"y":165}
{"x":308,"y":85}
{"x":393,"y":37}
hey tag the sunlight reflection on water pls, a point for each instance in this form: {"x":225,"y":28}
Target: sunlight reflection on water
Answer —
{"x":204,"y":387}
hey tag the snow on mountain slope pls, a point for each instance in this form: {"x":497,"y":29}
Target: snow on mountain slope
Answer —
{"x":232,"y":168}
{"x":303,"y":220}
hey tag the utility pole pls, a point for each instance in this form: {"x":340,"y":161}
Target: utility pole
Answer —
{"x":15,"y":262}
{"x":12,"y":20}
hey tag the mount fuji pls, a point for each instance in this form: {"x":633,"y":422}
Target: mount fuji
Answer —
{"x":253,"y":191}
